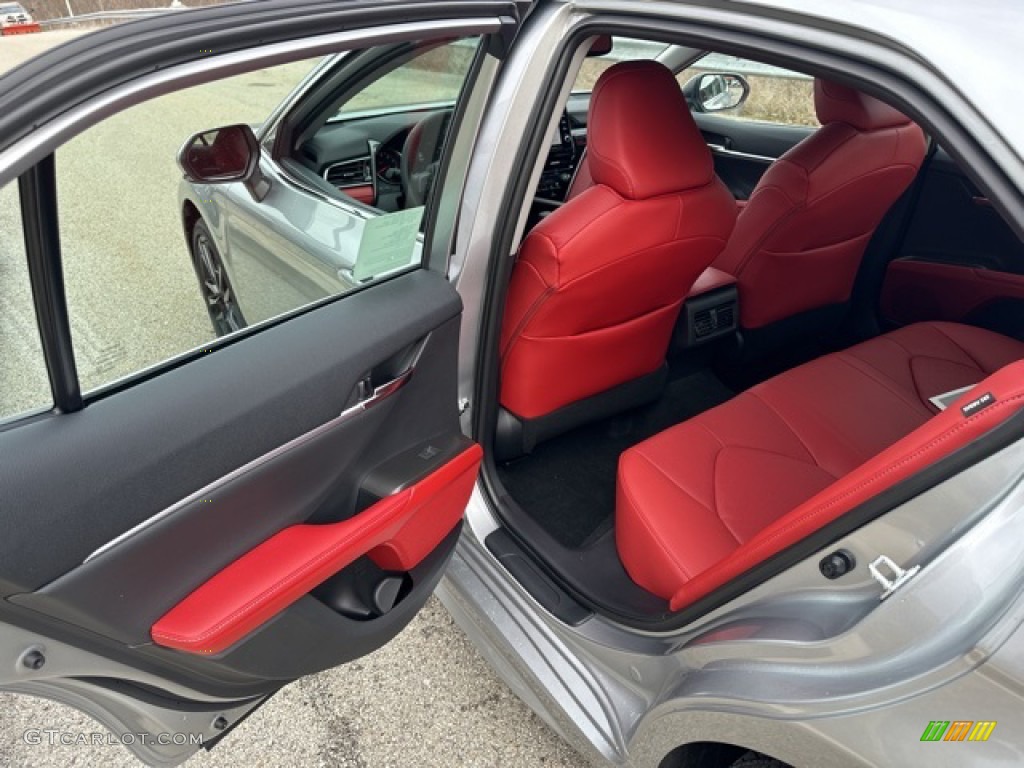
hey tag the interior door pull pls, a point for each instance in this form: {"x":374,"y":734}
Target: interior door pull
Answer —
{"x":369,"y":398}
{"x":981,"y":200}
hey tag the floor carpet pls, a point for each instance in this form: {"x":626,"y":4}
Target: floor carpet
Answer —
{"x":568,"y":483}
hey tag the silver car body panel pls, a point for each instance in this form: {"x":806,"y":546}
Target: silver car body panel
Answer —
{"x":803,"y":667}
{"x":105,"y":690}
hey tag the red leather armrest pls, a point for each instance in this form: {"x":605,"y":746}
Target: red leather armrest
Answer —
{"x":397,"y":533}
{"x":711,"y":279}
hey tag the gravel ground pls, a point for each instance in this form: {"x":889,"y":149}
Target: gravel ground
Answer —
{"x":427,"y":699}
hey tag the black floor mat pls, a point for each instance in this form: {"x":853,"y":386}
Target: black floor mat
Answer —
{"x":568,"y":484}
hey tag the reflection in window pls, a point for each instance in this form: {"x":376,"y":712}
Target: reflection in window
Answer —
{"x":24,"y":384}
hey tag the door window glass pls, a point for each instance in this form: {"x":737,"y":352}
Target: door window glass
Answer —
{"x":24,"y":384}
{"x":178,"y":225}
{"x":623,"y":49}
{"x":433,"y":77}
{"x":777,"y":95}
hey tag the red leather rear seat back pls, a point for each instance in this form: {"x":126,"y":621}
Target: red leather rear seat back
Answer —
{"x":694,"y":500}
{"x":598,"y":284}
{"x":801,"y":237}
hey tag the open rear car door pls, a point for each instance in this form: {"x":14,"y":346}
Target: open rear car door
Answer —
{"x":177,"y":547}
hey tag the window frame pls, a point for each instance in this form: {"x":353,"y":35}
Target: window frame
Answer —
{"x":32,"y":160}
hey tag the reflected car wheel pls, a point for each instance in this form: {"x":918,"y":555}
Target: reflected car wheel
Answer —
{"x":214,"y":283}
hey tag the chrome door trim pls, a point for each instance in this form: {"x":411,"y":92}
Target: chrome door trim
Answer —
{"x":379,"y":395}
{"x":718,"y":149}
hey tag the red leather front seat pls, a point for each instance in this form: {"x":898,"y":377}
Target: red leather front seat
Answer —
{"x":799,"y":241}
{"x":598,"y":284}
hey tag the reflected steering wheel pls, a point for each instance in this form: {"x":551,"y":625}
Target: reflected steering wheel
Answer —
{"x":420,"y":158}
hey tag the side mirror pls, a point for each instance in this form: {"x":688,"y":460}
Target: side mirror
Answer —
{"x":225,"y":155}
{"x":716,"y":91}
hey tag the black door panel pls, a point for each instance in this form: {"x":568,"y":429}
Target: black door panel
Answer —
{"x":738,"y":171}
{"x":91,"y":475}
{"x":958,"y":261}
{"x":95,"y":475}
{"x":769,"y":140}
{"x":744,"y":149}
{"x":954,"y":223}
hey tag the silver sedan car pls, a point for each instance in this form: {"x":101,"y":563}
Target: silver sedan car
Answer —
{"x":679,"y":347}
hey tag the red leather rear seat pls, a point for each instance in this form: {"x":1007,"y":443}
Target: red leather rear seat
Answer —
{"x":706,"y":500}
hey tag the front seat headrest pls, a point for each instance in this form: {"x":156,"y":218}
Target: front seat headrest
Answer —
{"x":641,"y":138}
{"x":836,"y":103}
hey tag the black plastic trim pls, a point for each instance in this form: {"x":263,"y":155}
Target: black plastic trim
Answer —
{"x":515,"y":436}
{"x":712,"y":302}
{"x":37,"y":188}
{"x":544,"y":589}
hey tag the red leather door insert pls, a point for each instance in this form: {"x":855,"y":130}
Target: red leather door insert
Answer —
{"x":397,"y":533}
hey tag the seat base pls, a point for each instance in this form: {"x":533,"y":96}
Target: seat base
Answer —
{"x":707,"y":490}
{"x":515,"y":436}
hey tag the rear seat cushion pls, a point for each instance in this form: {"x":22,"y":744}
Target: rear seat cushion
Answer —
{"x":696,"y":494}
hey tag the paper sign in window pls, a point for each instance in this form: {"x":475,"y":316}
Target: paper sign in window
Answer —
{"x":388,"y":243}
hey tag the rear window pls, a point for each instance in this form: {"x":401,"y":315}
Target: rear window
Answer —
{"x":623,"y":49}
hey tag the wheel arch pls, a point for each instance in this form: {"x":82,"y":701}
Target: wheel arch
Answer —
{"x":717,"y":754}
{"x":190,"y":214}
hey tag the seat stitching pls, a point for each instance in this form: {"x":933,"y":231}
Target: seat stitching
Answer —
{"x":679,"y":216}
{"x":677,"y":303}
{"x":909,"y":363}
{"x":759,"y":449}
{"x":810,"y":168}
{"x":880,"y":474}
{"x":840,"y":437}
{"x":861,"y":177}
{"x":714,"y":497}
{"x":530,"y":312}
{"x":780,"y":221}
{"x":951,"y":340}
{"x":706,"y":428}
{"x":888,"y":382}
{"x":650,"y":531}
{"x":685,"y":492}
{"x":584,"y":226}
{"x":714,"y":474}
{"x":780,"y":417}
{"x":643,"y":251}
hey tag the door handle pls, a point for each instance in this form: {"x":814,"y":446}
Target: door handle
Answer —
{"x":369,"y":395}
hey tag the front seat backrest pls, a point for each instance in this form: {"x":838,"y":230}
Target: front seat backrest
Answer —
{"x":598,"y":284}
{"x":800,"y":239}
